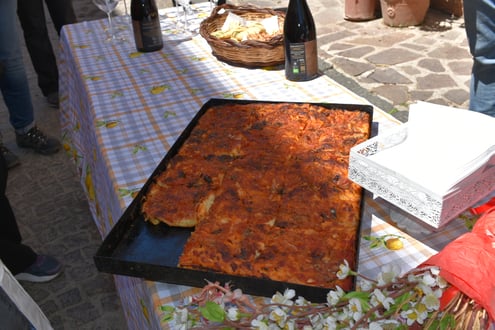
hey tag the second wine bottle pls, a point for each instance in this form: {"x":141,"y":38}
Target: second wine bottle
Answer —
{"x":301,"y":57}
{"x":146,"y":25}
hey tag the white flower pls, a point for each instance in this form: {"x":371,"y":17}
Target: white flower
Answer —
{"x":382,"y":299}
{"x":426,"y":284}
{"x":441,"y":282}
{"x":355,"y":308}
{"x":422,"y":312}
{"x":330,"y":323}
{"x":291,"y":325}
{"x":279,"y":317}
{"x":317,"y":321}
{"x":285,"y":299}
{"x":301,"y":301}
{"x":431,"y":301}
{"x":388,"y":274}
{"x":410,"y":316}
{"x":188,"y":300}
{"x":259,"y":323}
{"x":344,"y":270}
{"x":334,"y":296}
{"x":375,"y":326}
{"x":428,"y":279}
{"x":365,"y":285}
{"x":233,"y":313}
{"x":181,"y":327}
{"x":435,"y":270}
{"x":360,"y":310}
{"x":417,"y":314}
{"x":344,"y":315}
{"x":384,"y":324}
{"x":181,"y":318}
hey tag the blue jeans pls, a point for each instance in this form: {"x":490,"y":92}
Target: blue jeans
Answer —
{"x":13,"y":80}
{"x":479,"y":17}
{"x":33,"y":21}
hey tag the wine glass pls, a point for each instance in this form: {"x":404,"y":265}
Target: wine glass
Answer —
{"x":124,"y":24}
{"x":126,"y":14}
{"x":213,"y":3}
{"x":108,"y":6}
{"x":186,"y":9}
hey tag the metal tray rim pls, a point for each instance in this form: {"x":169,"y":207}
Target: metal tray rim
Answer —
{"x":105,"y":260}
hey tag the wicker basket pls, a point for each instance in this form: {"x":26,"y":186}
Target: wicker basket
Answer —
{"x":247,"y":53}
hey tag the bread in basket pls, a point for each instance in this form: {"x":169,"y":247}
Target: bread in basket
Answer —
{"x":247,"y":53}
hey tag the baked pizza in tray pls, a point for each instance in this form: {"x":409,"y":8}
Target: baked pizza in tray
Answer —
{"x":265,"y":187}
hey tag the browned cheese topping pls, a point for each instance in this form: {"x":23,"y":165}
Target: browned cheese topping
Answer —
{"x":266,"y":188}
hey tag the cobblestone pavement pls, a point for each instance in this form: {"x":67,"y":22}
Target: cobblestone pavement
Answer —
{"x":391,"y":67}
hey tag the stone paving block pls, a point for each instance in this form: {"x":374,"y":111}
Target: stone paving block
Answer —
{"x":70,"y":297}
{"x":393,"y":56}
{"x":396,"y":94}
{"x":435,"y":81}
{"x":450,"y":52}
{"x":389,"y":76}
{"x":461,"y":67}
{"x":458,"y":96}
{"x":352,"y":68}
{"x":432,"y":64}
{"x":357,"y":52}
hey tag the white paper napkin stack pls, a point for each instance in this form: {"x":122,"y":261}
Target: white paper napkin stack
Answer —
{"x":443,"y":146}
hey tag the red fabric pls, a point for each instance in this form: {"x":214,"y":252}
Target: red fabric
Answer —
{"x":483,"y":208}
{"x":468,"y":262}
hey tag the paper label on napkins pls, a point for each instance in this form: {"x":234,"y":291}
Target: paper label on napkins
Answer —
{"x":443,"y":146}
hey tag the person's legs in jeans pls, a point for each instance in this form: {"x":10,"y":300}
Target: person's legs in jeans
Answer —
{"x":19,"y":258}
{"x":61,"y":12}
{"x":15,"y":88}
{"x":32,"y":17}
{"x":15,"y":255}
{"x":13,"y":82}
{"x":479,"y":17}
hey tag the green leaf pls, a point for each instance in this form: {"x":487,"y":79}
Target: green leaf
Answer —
{"x":434,"y":325}
{"x":361,"y":295}
{"x":390,"y":311}
{"x":167,"y":114}
{"x":167,"y":308}
{"x":403,"y":298}
{"x":363,"y":298}
{"x":212,"y":312}
{"x":168,"y":313}
{"x":447,"y":322}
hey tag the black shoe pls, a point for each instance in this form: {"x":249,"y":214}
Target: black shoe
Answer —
{"x":10,"y":158}
{"x":44,"y":269}
{"x":38,"y":141}
{"x":52,"y":99}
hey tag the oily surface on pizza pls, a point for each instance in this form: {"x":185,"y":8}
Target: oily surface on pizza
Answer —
{"x":265,"y":186}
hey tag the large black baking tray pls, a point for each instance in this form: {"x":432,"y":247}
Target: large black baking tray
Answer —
{"x":140,"y":249}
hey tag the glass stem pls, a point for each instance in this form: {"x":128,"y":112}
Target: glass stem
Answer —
{"x":185,"y":18}
{"x":125,"y":9}
{"x":110,"y":25}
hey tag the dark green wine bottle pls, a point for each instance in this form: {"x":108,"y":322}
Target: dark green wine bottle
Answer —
{"x":301,"y":55}
{"x":146,"y":25}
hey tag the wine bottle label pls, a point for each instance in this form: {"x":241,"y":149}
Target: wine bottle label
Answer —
{"x":303,"y":59}
{"x":150,"y":35}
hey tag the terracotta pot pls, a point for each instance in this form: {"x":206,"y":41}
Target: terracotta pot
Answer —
{"x":402,"y":13}
{"x":360,"y":10}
